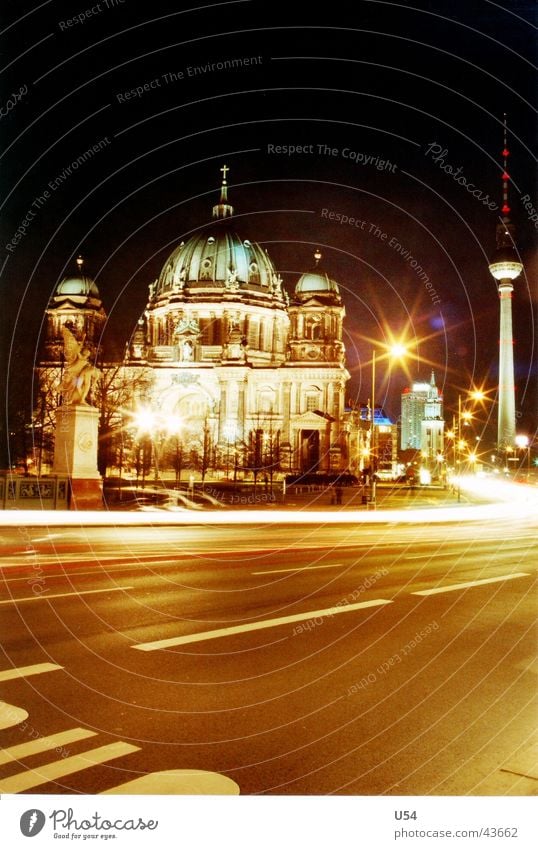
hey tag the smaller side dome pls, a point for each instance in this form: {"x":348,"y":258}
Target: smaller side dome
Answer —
{"x":77,"y":284}
{"x":316,"y":281}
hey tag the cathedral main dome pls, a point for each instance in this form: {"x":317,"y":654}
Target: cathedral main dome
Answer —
{"x":218,"y":258}
{"x":217,"y":300}
{"x":217,"y":263}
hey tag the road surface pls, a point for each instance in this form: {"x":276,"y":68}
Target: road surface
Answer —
{"x":318,"y":659}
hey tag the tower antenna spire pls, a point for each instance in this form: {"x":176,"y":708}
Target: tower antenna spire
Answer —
{"x":505,"y":176}
{"x":505,"y":267}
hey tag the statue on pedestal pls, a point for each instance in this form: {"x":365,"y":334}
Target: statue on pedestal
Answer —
{"x":79,"y":375}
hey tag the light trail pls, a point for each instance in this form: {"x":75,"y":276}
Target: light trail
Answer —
{"x":526,"y":507}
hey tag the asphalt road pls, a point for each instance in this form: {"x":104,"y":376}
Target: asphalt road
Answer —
{"x":297,"y":660}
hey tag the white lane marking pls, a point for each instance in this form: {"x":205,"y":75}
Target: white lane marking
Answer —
{"x":44,"y":744}
{"x":58,"y":560}
{"x":58,"y":769}
{"x":473,"y":584}
{"x":298,"y":569}
{"x":25,"y":671}
{"x":46,"y":596}
{"x":178,"y":782}
{"x":72,"y":574}
{"x":144,"y":557}
{"x":11,"y":715}
{"x":427,"y":556}
{"x":483,"y":553}
{"x":257,"y":626}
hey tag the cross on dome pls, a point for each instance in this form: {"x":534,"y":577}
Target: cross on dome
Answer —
{"x":223,"y":209}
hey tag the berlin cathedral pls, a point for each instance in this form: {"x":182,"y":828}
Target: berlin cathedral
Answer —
{"x":225,"y":369}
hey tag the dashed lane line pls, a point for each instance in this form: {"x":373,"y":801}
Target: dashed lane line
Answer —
{"x":72,"y":574}
{"x":25,"y":671}
{"x":47,"y":596}
{"x":66,"y":766}
{"x":428,"y":556}
{"x":44,"y":744}
{"x":257,"y":626}
{"x":451,"y":587}
{"x":299,"y":569}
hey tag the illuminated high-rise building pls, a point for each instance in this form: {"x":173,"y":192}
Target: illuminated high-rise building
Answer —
{"x":422,"y":418}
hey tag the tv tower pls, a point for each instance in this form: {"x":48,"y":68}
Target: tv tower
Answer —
{"x":505,"y":267}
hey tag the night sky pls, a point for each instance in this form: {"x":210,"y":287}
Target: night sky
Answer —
{"x":385,"y":99}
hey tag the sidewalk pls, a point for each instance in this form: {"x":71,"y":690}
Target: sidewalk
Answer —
{"x":388,"y":497}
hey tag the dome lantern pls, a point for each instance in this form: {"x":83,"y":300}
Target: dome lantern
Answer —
{"x":223,"y":209}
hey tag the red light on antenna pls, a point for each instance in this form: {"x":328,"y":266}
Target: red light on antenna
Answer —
{"x":506,"y":209}
{"x":505,"y":176}
{"x":506,"y":152}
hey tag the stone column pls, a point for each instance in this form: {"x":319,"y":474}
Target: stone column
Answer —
{"x":242,"y":408}
{"x":286,"y":410}
{"x":223,"y":409}
{"x":330,"y":399}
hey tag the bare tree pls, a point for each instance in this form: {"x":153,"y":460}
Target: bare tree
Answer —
{"x":115,"y":396}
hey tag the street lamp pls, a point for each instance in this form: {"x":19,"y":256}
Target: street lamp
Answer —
{"x":157,"y":428}
{"x":395,"y":351}
{"x":464,"y":418}
{"x":523,"y":441}
{"x":451,"y":437}
{"x":144,"y":422}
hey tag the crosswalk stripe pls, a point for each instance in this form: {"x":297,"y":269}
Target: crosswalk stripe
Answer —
{"x":44,"y":744}
{"x":58,"y":769}
{"x":467,"y":584}
{"x":257,"y":626}
{"x":11,"y":715}
{"x":25,"y":671}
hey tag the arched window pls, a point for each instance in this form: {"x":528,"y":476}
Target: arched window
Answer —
{"x":313,"y":327}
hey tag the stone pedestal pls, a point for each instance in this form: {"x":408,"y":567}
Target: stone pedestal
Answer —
{"x":75,"y":455}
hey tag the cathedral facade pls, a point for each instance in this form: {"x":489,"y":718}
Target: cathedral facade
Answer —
{"x":224,"y":366}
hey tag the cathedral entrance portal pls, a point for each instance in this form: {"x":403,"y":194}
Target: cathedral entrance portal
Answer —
{"x":309,"y":442}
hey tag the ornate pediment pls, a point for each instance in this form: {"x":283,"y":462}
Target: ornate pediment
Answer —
{"x":313,"y":417}
{"x":187,"y":327}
